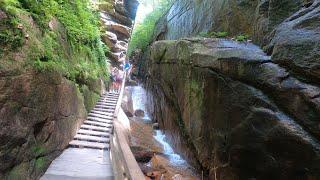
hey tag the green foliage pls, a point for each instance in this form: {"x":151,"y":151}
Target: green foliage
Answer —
{"x":11,"y":37}
{"x":38,"y":150}
{"x":143,"y":33}
{"x":220,"y":34}
{"x":73,"y":49}
{"x":9,"y":6}
{"x":242,"y":37}
{"x":90,"y":98}
{"x":40,"y":163}
{"x":105,"y":6}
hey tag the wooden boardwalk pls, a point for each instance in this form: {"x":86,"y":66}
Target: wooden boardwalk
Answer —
{"x":88,"y":155}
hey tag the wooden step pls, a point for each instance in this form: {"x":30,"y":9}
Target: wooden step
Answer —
{"x":113,"y":98}
{"x":105,"y":106}
{"x":110,"y":96}
{"x":111,"y":93}
{"x":93,"y":133}
{"x":96,"y":128}
{"x":103,"y":120}
{"x":91,"y":138}
{"x":106,"y":113}
{"x":102,"y":124}
{"x":106,"y":102}
{"x":101,"y":116}
{"x":110,"y":110}
{"x":86,"y":144}
{"x":106,"y":97}
{"x":104,"y":110}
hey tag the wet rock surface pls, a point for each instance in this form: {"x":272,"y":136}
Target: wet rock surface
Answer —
{"x":231,"y":110}
{"x":139,"y":113}
{"x":149,"y":154}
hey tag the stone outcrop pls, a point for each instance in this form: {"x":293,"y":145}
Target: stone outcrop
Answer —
{"x":228,"y":108}
{"x":117,"y":17}
{"x":294,"y":44}
{"x":236,"y":110}
{"x":39,"y":115}
{"x":253,"y":17}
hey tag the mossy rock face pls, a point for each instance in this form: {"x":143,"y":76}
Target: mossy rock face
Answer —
{"x":46,"y":55}
{"x":106,"y":6}
{"x":52,"y":108}
{"x":226,"y":106}
{"x":29,"y":170}
{"x":90,"y":98}
{"x":20,"y":172}
{"x":96,"y":85}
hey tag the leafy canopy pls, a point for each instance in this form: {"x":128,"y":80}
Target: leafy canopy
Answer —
{"x":143,"y":32}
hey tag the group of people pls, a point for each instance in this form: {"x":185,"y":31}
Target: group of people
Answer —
{"x":117,"y":76}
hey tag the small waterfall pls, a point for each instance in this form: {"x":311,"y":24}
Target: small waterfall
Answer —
{"x":139,"y":100}
{"x":167,"y":149}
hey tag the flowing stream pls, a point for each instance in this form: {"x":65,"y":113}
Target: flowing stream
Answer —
{"x":167,"y":149}
{"x":139,"y":95}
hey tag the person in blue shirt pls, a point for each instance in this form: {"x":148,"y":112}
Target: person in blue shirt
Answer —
{"x":126,"y":66}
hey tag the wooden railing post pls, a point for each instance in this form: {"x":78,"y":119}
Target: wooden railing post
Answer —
{"x":124,"y":163}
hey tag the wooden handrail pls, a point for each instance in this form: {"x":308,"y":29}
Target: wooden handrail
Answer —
{"x":124,"y":163}
{"x":115,"y":114}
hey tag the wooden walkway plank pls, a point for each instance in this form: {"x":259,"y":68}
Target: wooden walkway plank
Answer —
{"x":88,"y":154}
{"x":95,"y":123}
{"x":96,"y":128}
{"x":104,"y":120}
{"x":93,"y":133}
{"x":100,"y":116}
{"x":87,"y":144}
{"x":91,"y":138}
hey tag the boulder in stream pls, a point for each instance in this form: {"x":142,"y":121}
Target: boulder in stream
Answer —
{"x":139,"y":113}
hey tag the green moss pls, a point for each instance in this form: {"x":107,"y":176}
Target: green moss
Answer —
{"x":11,"y":35}
{"x":90,"y":98}
{"x":242,"y":37}
{"x":71,"y":45}
{"x":220,"y":34}
{"x":196,"y":93}
{"x":40,"y":163}
{"x":38,"y":150}
{"x":13,"y":174}
{"x":106,"y":6}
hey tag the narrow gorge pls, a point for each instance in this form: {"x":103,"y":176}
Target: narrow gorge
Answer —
{"x":210,"y":89}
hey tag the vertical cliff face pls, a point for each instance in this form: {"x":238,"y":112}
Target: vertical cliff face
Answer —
{"x":53,"y":70}
{"x":117,"y":19}
{"x":229,"y":107}
{"x":256,"y":18}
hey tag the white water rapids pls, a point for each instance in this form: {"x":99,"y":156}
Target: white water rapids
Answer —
{"x":139,"y":101}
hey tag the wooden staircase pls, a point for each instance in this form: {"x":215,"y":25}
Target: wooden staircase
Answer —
{"x":96,"y":130}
